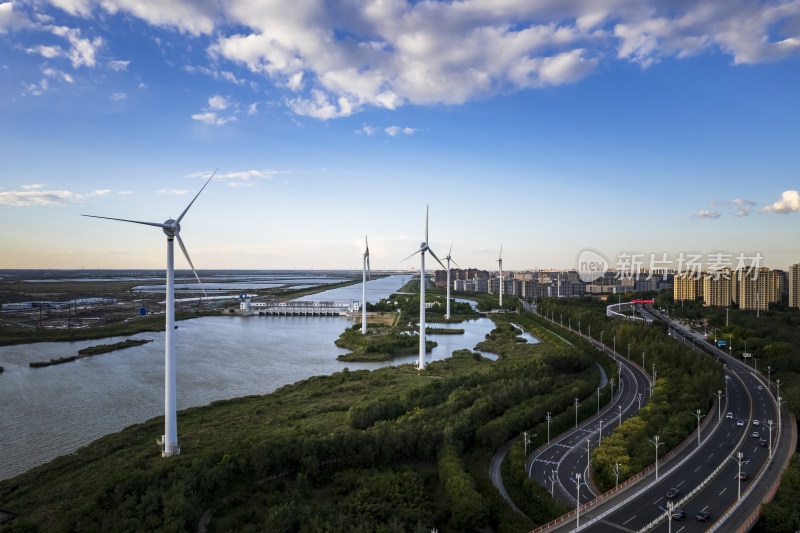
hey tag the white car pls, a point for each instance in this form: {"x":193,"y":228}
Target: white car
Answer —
{"x":760,"y":387}
{"x":740,"y":423}
{"x":730,"y":415}
{"x":756,"y":422}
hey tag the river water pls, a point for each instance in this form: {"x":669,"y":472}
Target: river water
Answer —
{"x":51,"y":411}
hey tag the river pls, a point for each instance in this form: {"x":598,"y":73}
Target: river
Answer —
{"x":51,"y":411}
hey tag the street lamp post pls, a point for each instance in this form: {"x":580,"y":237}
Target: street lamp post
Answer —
{"x":640,"y":400}
{"x":577,"y":500}
{"x":699,"y":417}
{"x":642,"y":360}
{"x":656,"y":443}
{"x":612,"y":386}
{"x":552,"y":482}
{"x":588,"y":455}
{"x":740,"y":460}
{"x":616,"y":473}
{"x":576,"y":412}
{"x":600,"y":434}
{"x":769,"y":376}
{"x":619,"y":407}
{"x":719,"y":404}
{"x":548,"y":427}
{"x":755,"y":364}
{"x":668,"y":510}
{"x":769,"y":425}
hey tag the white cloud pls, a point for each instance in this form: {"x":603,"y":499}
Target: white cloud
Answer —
{"x":172,"y":191}
{"x":124,"y":192}
{"x":395,"y":130}
{"x":366,"y":130}
{"x":789,"y":202}
{"x":46,"y":51}
{"x":334,"y":59}
{"x":118,"y":65}
{"x":55,"y":73}
{"x":118,"y":96}
{"x":252,"y":109}
{"x":36,"y":89}
{"x":218,"y":103}
{"x":35,"y":195}
{"x":12,"y":20}
{"x":707,"y":214}
{"x":212,"y":119}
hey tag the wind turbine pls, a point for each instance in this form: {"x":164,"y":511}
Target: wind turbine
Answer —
{"x":500,"y":262}
{"x":423,"y":247}
{"x":448,"y":258}
{"x":365,"y":274}
{"x":172,"y":228}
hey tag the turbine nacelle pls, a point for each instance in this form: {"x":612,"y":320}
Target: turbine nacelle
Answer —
{"x":171,"y":228}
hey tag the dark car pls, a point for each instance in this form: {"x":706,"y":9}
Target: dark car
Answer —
{"x":678,"y":514}
{"x":673,"y":493}
{"x":702,"y":516}
{"x":763,"y":442}
{"x":742,"y":475}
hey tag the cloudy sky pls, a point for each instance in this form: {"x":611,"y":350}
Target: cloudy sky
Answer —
{"x":546,"y":126}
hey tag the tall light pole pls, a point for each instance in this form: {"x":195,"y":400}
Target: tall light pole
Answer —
{"x":656,"y":443}
{"x":640,"y":400}
{"x":576,"y":411}
{"x":642,"y":360}
{"x":588,"y":455}
{"x":616,"y":473}
{"x":577,"y":499}
{"x":552,"y":482}
{"x":548,"y":427}
{"x":740,"y":460}
{"x":600,"y":434}
{"x":699,"y":417}
{"x":668,"y":510}
{"x":755,"y":364}
{"x":769,"y":425}
{"x":619,"y":407}
{"x":526,"y":441}
{"x":769,"y":376}
{"x":719,"y":404}
{"x":612,"y":386}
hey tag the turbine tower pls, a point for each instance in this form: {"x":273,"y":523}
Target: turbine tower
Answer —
{"x":448,"y":258}
{"x":500,"y":262}
{"x":365,"y":274}
{"x":172,"y":228}
{"x":423,"y":247}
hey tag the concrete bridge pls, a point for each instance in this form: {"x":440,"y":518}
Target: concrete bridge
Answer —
{"x":298,"y":308}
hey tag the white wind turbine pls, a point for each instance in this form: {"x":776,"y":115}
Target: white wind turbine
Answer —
{"x":423,"y":247}
{"x":172,"y":228}
{"x":448,"y":259}
{"x":365,"y":273}
{"x":500,"y":262}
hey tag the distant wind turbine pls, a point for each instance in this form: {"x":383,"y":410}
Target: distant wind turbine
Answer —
{"x":423,"y":247}
{"x":365,"y":274}
{"x":448,"y":259}
{"x":500,"y":262}
{"x":172,"y":228}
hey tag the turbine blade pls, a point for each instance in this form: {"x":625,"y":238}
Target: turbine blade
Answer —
{"x":195,"y":197}
{"x":501,"y":251}
{"x":156,"y":224}
{"x":369,"y":272}
{"x":415,"y":253}
{"x":451,"y":249}
{"x":437,"y":259}
{"x":454,"y":262}
{"x":426,"y":224}
{"x":186,"y":254}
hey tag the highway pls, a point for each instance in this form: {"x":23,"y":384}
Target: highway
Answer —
{"x":706,"y":476}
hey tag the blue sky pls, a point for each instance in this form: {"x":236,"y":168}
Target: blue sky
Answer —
{"x":547,"y":127}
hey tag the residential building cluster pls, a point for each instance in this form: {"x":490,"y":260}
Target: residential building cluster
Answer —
{"x":534,"y":284}
{"x":752,"y":290}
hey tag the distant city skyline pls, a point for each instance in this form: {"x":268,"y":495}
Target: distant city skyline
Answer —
{"x":547,"y":129}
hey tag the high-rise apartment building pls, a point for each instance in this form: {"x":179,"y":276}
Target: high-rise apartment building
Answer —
{"x":794,"y":285}
{"x":717,"y":290}
{"x":687,"y":286}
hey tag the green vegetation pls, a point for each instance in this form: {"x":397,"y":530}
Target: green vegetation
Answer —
{"x":686,"y":381}
{"x":389,"y":450}
{"x":92,"y":350}
{"x":408,"y":305}
{"x":10,"y":336}
{"x":384,"y":345}
{"x":444,"y":331}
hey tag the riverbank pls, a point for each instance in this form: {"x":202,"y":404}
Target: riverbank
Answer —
{"x":91,"y":351}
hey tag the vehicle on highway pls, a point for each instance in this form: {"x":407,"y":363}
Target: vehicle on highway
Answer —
{"x":740,"y":422}
{"x":702,"y":516}
{"x":678,"y":514}
{"x":763,"y":442}
{"x":727,"y":378}
{"x":742,"y":475}
{"x":760,"y":387}
{"x":756,"y":434}
{"x":673,"y":493}
{"x":756,"y":422}
{"x":730,"y":415}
